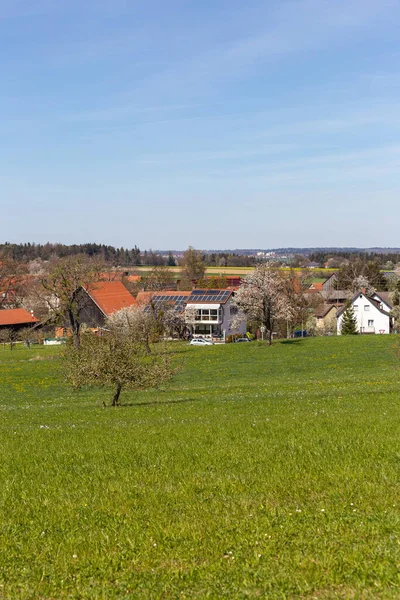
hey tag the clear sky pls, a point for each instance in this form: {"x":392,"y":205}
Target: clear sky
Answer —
{"x":215,"y":123}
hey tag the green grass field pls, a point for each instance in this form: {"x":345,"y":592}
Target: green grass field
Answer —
{"x":256,"y":473}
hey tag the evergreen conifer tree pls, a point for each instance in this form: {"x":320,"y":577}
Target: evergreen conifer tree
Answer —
{"x":349,"y":322}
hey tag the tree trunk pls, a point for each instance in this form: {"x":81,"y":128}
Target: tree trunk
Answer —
{"x":147,"y":345}
{"x":75,"y":327}
{"x":115,"y":401}
{"x":268,"y":324}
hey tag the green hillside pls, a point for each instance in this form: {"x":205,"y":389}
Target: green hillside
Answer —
{"x":257,"y":473}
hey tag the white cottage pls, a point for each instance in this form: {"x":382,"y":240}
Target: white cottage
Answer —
{"x":211,"y":313}
{"x":372,"y":314}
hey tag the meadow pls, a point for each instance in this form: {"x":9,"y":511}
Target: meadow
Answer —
{"x":255,"y":473}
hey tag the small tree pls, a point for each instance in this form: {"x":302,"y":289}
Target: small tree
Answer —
{"x":117,"y":360}
{"x":362,"y":283}
{"x":62,"y":286}
{"x":349,"y":322}
{"x":171,"y":262}
{"x":159,"y":278}
{"x":192,"y":263}
{"x":29,"y":336}
{"x":8,"y":336}
{"x":137,"y":322}
{"x":262,"y":297}
{"x":395,"y":313}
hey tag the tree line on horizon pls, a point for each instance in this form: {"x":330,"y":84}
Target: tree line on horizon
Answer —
{"x":124,"y":257}
{"x":132,"y":257}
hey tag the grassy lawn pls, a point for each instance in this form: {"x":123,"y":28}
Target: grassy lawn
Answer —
{"x":257,"y":473}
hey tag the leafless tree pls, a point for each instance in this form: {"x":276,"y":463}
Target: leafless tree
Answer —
{"x":159,"y":278}
{"x":8,"y":336}
{"x":13,"y":278}
{"x":62,"y":289}
{"x":192,"y":263}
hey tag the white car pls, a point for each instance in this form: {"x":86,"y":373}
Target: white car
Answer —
{"x":201,"y":342}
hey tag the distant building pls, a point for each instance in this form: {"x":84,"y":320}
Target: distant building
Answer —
{"x":372,"y":314}
{"x":16,"y":319}
{"x":208,"y":313}
{"x":325,"y":315}
{"x":99,"y":301}
{"x":214,"y":313}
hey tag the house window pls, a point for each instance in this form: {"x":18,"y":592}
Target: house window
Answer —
{"x":370,"y":322}
{"x":366,"y":306}
{"x":206,"y":314}
{"x":355,"y":306}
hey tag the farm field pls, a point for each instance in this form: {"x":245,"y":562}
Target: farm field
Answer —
{"x":221,"y":271}
{"x":256,"y":473}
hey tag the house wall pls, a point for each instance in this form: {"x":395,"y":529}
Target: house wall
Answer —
{"x":327,"y":285}
{"x":365,"y":311}
{"x":228,"y":316}
{"x":90,"y":314}
{"x":329,"y":321}
{"x":385,"y":306}
{"x":226,"y":313}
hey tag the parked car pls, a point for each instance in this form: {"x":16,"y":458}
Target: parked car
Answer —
{"x":244,"y":339}
{"x":201,"y":342}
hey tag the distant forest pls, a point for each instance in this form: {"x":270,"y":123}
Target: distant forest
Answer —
{"x":125,"y":257}
{"x":382,"y":257}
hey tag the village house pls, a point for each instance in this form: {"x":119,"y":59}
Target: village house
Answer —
{"x":208,"y":313}
{"x":372,"y":313}
{"x":16,"y":319}
{"x":99,"y":301}
{"x":215,"y":313}
{"x":325,"y":315}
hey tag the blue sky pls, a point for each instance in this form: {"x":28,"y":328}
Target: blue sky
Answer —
{"x":220,"y":123}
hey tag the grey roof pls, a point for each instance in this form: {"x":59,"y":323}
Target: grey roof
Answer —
{"x":374,"y":302}
{"x":209,"y":296}
{"x":323,"y":309}
{"x":385,"y":297}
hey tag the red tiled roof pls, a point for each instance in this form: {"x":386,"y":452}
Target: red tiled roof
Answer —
{"x":144,"y":298}
{"x":16,"y":316}
{"x":110,"y":296}
{"x":316,"y":286}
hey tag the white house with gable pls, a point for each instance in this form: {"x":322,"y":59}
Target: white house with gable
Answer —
{"x":372,"y":314}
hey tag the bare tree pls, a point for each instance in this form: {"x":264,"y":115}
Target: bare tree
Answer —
{"x":193,"y":266}
{"x":30,"y":335}
{"x":159,"y":278}
{"x":262,"y":297}
{"x":348,"y":276}
{"x":12,"y":282}
{"x":8,"y":336}
{"x":62,"y":289}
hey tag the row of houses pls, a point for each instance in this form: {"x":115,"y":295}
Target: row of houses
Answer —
{"x":212,"y":312}
{"x":209,"y":312}
{"x":372,"y":312}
